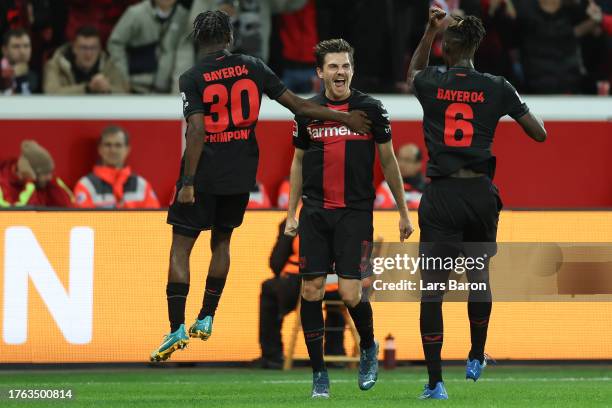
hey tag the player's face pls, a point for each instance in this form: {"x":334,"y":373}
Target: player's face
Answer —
{"x":113,"y":150}
{"x":18,"y":50}
{"x":337,"y":74}
{"x":86,"y":51}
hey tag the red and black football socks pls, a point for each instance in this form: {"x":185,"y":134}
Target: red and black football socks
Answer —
{"x":311,"y":314}
{"x":212,"y":294}
{"x":432,"y":336}
{"x":176,"y":295}
{"x":479,"y":314}
{"x":362,"y":317}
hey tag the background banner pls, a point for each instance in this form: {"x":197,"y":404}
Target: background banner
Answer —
{"x":90,"y":287}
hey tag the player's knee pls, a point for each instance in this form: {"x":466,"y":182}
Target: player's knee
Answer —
{"x":313,"y":289}
{"x":350,"y":299}
{"x":220,"y":240}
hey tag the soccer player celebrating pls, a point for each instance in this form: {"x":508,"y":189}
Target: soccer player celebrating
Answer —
{"x":221,"y":99}
{"x":461,"y":110}
{"x":332,"y":172}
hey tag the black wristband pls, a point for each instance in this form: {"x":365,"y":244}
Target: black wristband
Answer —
{"x":187,"y":180}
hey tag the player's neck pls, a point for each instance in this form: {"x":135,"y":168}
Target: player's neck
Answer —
{"x":329,"y":95}
{"x":211,"y":49}
{"x":463,"y":63}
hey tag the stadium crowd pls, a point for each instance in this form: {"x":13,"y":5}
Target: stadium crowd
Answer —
{"x":141,"y":47}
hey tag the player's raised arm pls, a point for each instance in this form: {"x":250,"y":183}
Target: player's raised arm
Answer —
{"x":420,"y":59}
{"x":195,"y":144}
{"x":295,"y":192}
{"x":393,"y":177}
{"x":355,"y":120}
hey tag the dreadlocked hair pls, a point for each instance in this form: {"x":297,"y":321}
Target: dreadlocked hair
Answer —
{"x":212,"y":27}
{"x":466,"y":33}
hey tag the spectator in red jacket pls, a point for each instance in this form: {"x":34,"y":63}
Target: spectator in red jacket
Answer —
{"x":112,"y":184}
{"x":29,"y":180}
{"x":595,"y":13}
{"x":410,"y":162}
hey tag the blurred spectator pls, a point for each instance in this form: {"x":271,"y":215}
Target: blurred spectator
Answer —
{"x":595,"y":12}
{"x":550,"y":49}
{"x":17,"y":77}
{"x":410,"y":162}
{"x":252,"y":20}
{"x":298,"y":35}
{"x":145,"y":41}
{"x":112,"y":184}
{"x":379,"y":31}
{"x":279,"y":296}
{"x":283,"y":195}
{"x":102,"y":14}
{"x":44,"y":20}
{"x":83,"y":67}
{"x":258,"y":197}
{"x":29,"y":180}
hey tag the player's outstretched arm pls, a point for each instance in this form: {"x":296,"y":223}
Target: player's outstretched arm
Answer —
{"x":195,"y":144}
{"x":533,"y":126}
{"x":393,"y":177}
{"x":295,"y":192}
{"x":420,"y":59}
{"x":356,"y":120}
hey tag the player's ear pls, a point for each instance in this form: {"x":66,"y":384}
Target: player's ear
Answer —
{"x":319,"y":73}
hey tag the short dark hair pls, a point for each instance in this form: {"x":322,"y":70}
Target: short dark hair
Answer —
{"x":13,"y":32}
{"x":331,"y":46}
{"x":87,"y":31}
{"x":111,"y":130}
{"x":465,"y":34}
{"x":212,"y":27}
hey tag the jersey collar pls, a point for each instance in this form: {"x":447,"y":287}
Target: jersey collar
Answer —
{"x":217,"y":55}
{"x":341,"y":102}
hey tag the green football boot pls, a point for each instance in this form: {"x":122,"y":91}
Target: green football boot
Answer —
{"x":174,"y":341}
{"x":202,"y":328}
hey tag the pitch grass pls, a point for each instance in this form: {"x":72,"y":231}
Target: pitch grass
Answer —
{"x":556,"y":386}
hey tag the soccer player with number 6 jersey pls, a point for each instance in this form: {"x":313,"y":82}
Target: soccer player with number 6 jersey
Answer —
{"x":461,"y":108}
{"x":221,"y":99}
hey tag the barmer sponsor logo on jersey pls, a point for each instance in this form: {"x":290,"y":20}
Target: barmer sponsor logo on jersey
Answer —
{"x":224,"y":73}
{"x":317,"y":132}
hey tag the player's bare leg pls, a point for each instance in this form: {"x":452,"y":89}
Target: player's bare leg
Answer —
{"x":361,"y":313}
{"x":215,"y":282}
{"x":176,"y":295}
{"x":311,"y":314}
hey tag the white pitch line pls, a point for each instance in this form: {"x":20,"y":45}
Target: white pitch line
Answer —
{"x":504,"y":379}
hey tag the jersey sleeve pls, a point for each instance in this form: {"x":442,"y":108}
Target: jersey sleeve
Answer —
{"x":301,"y":140}
{"x":421,"y":79}
{"x":272,"y":85}
{"x":513,"y":105}
{"x":381,"y":126}
{"x":192,"y":99}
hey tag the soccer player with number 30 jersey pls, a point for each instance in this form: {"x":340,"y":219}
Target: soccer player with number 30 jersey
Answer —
{"x":221,"y":99}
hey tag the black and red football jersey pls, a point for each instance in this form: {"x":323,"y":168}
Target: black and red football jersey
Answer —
{"x":461,"y":109}
{"x":338,"y":164}
{"x":227,"y":89}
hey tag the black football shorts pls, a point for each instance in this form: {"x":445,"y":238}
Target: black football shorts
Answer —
{"x":335,"y":240}
{"x":222,"y":212}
